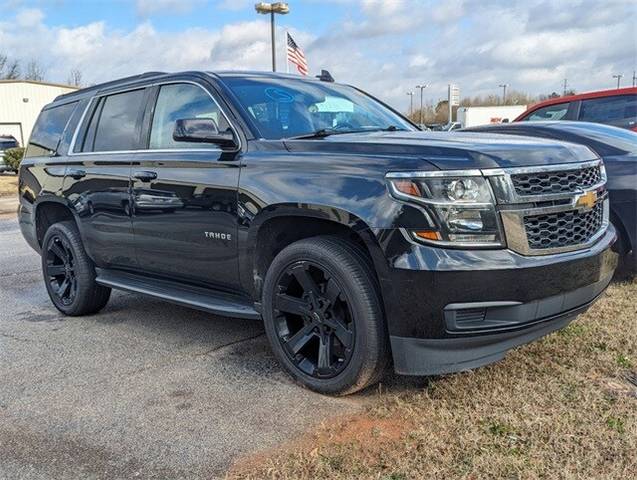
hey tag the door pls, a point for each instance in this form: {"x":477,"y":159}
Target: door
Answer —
{"x":185,"y":194}
{"x":97,"y":181}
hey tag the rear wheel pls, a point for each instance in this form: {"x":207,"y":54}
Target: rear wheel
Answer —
{"x":69,"y":274}
{"x":323,"y":315}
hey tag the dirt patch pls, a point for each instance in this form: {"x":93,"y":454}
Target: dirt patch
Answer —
{"x":562,"y":407}
{"x":8,"y":185}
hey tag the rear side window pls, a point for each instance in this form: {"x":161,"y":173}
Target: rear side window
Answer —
{"x":552,"y":112}
{"x":178,"y":102}
{"x":48,"y":130}
{"x":620,"y":110}
{"x":115,"y":123}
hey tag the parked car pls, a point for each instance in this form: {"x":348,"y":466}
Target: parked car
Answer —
{"x":355,"y":237}
{"x":616,"y":107}
{"x":6,"y":142}
{"x":618,"y":148}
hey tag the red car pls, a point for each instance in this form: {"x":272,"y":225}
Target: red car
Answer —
{"x":617,"y":107}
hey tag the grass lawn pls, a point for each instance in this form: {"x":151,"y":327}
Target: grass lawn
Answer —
{"x":563,"y":407}
{"x":8,"y":184}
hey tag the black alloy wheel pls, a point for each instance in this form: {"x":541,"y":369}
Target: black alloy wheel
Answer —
{"x":60,"y":270}
{"x":69,"y":274}
{"x":313,"y":320}
{"x":323,"y":315}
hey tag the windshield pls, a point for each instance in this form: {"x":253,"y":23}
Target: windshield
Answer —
{"x":284,"y":108}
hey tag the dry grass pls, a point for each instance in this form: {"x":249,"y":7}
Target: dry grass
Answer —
{"x":563,"y":407}
{"x":8,"y":185}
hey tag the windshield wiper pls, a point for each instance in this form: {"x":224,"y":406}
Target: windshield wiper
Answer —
{"x":326,"y":132}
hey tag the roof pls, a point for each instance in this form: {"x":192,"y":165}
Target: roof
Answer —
{"x":35,"y":82}
{"x":132,"y":80}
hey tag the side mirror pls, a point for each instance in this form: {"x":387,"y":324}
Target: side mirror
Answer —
{"x":202,"y":130}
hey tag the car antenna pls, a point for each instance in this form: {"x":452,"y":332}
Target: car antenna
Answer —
{"x":325,"y":76}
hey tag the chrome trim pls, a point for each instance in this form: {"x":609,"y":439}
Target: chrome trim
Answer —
{"x":515,"y":231}
{"x":510,"y":219}
{"x":71,"y":153}
{"x":435,"y":173}
{"x":441,"y":203}
{"x":409,"y":235}
{"x":505,"y":193}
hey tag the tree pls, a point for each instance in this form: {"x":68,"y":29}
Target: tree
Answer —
{"x":9,"y":69}
{"x":75,"y":78}
{"x":34,"y":71}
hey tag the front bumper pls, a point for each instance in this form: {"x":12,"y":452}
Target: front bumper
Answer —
{"x":449,"y":310}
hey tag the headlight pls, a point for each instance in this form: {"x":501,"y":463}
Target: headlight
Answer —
{"x":461,"y":203}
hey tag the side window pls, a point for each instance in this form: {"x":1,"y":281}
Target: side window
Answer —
{"x":552,"y":112}
{"x":114,"y":123}
{"x":181,"y":101}
{"x":620,"y":110}
{"x":48,"y":130}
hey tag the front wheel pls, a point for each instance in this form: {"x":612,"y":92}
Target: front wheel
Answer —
{"x":323,"y":315}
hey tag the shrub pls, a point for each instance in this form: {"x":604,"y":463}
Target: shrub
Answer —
{"x":13,"y":157}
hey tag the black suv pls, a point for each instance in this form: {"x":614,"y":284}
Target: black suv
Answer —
{"x":355,"y":237}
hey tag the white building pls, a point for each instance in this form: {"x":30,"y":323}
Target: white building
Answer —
{"x":21,"y":102}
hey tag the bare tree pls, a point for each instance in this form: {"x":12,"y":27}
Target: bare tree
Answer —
{"x":9,"y":69}
{"x":75,"y":78}
{"x":34,"y":71}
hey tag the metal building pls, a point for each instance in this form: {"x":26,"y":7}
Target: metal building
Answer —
{"x":21,"y":102}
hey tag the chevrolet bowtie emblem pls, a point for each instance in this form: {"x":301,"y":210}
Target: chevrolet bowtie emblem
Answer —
{"x":587,"y":200}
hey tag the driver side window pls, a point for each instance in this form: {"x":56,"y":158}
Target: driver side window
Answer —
{"x":181,"y":101}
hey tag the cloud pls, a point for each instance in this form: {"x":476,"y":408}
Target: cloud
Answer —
{"x":385,"y":47}
{"x":147,"y":8}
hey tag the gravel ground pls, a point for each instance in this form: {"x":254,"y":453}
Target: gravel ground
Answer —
{"x":144,"y":389}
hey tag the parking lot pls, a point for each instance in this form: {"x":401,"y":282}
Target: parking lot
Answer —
{"x":143,"y":389}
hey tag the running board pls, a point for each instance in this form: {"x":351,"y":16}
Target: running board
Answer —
{"x":219,"y":303}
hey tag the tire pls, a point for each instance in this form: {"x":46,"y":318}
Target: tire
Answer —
{"x":334,"y":342}
{"x":69,"y":274}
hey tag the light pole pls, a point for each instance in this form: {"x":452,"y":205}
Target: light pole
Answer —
{"x":421,"y":88}
{"x":504,"y":86}
{"x":618,"y":77}
{"x":411,"y":103}
{"x":272,"y":8}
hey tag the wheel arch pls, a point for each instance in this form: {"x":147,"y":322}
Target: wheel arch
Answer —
{"x":49,"y":210}
{"x":280,"y":225}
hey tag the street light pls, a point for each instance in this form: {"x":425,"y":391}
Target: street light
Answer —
{"x":618,"y":77}
{"x":272,"y":8}
{"x":504,"y":86}
{"x":411,"y":103}
{"x":421,"y":88}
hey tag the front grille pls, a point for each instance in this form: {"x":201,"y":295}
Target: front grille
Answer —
{"x":565,"y":181}
{"x":563,"y":229}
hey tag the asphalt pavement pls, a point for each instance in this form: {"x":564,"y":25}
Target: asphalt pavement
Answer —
{"x":144,"y":389}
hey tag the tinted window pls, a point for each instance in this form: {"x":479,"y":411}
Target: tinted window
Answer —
{"x":178,"y":102}
{"x":48,"y":130}
{"x":620,"y":111}
{"x":117,"y":123}
{"x":552,"y":112}
{"x":286,"y":108}
{"x":5,"y":144}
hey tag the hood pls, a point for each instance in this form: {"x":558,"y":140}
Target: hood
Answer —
{"x":451,"y":151}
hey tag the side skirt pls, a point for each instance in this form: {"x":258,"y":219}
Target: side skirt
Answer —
{"x":208,"y":300}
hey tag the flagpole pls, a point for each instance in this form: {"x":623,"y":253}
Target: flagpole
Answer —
{"x":287,"y":63}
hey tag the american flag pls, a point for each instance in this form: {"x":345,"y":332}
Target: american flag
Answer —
{"x":295,"y":56}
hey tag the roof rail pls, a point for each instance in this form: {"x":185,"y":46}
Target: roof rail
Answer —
{"x":100,"y":86}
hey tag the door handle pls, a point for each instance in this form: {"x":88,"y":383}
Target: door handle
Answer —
{"x":145,"y":176}
{"x":76,"y":173}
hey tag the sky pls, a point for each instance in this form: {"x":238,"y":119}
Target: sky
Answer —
{"x":386,"y":47}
